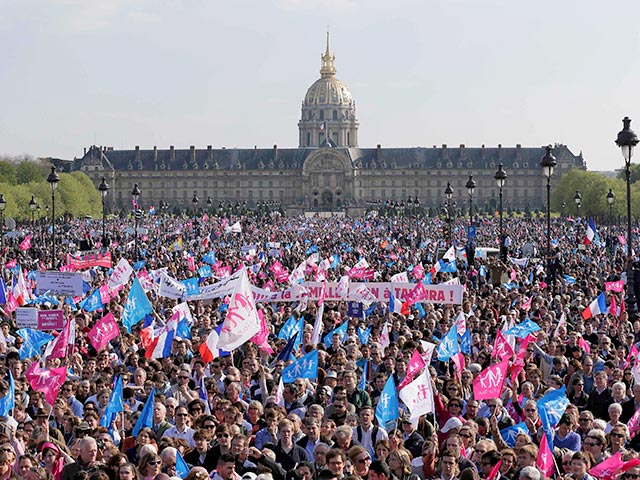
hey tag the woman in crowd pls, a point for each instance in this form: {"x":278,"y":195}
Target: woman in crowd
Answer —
{"x":149,"y":466}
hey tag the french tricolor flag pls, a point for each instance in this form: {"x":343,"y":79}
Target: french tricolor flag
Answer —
{"x":591,"y":232}
{"x":160,"y":346}
{"x":598,"y":306}
{"x":395,"y":306}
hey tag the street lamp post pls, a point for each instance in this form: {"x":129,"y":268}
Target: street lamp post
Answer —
{"x":448,"y":192}
{"x":135,"y":193}
{"x":470,"y":186}
{"x":209,"y":204}
{"x":104,"y":189}
{"x":577,"y":198}
{"x":501,"y":178}
{"x":627,"y":140}
{"x":32,"y":206}
{"x":548,"y":163}
{"x":611,"y":197}
{"x":3,"y":205}
{"x":53,"y":179}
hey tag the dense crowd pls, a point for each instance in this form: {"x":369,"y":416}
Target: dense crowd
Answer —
{"x":230,"y":417}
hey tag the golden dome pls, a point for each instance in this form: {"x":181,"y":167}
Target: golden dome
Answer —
{"x":328,"y":90}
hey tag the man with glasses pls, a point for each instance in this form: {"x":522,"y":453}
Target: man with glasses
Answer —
{"x":585,"y":424}
{"x":496,"y":409}
{"x":488,"y":462}
{"x":181,"y":390}
{"x":360,"y":459}
{"x":69,"y":392}
{"x":336,"y":460}
{"x":182,"y":429}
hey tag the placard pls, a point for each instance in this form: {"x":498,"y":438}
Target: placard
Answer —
{"x":50,"y":320}
{"x":27,"y":317}
{"x":59,"y":283}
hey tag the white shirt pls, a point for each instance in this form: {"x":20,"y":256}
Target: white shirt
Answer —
{"x":186,"y":435}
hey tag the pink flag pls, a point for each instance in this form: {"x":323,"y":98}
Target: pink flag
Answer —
{"x":543,"y":285}
{"x":633,"y":353}
{"x":458,"y":364}
{"x":489,"y":383}
{"x":614,"y":286}
{"x":582,"y":343}
{"x":46,"y":381}
{"x":526,"y":306}
{"x":57,"y":348}
{"x":544,"y":463}
{"x":501,"y":347}
{"x":191,"y":263}
{"x":12,"y":303}
{"x":416,"y":363}
{"x":105,"y":330}
{"x":26,"y":243}
{"x":633,"y":425}
{"x":513,"y":275}
{"x":493,"y":474}
{"x":105,"y":296}
{"x":261,"y":337}
{"x":418,"y":293}
{"x":608,"y":469}
{"x":418,"y":271}
{"x":622,"y":240}
{"x":10,"y":264}
{"x":613,"y":308}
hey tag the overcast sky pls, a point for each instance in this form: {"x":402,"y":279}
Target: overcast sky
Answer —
{"x":233,"y":73}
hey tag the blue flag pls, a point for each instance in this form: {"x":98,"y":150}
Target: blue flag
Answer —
{"x":569,"y":279}
{"x":551,"y":407}
{"x":341,"y":331}
{"x":183,"y":330}
{"x":312,"y":249}
{"x":335,"y":261}
{"x":304,"y":367}
{"x":387,"y":408}
{"x":193,"y":288}
{"x":289,"y":329}
{"x":448,"y":267}
{"x":139,"y":265}
{"x":285,"y":353}
{"x":205,"y":271}
{"x":364,"y":334}
{"x":210,"y":258}
{"x":418,"y":306}
{"x":465,"y":342}
{"x":115,"y":405}
{"x":3,"y":291}
{"x":509,"y":434}
{"x":523,"y":329}
{"x":395,"y":306}
{"x":8,"y":402}
{"x":146,"y":416}
{"x":92,"y":303}
{"x":182,"y":469}
{"x":448,"y":347}
{"x":34,"y":340}
{"x":45,"y":298}
{"x":137,"y":306}
{"x":363,"y":380}
{"x":369,"y":310}
{"x":204,"y":396}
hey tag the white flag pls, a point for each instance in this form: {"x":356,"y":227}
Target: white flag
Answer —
{"x":428,"y":349}
{"x":384,"y":337}
{"x":121,"y":274}
{"x":400,"y":277}
{"x":317,"y":326}
{"x":342,"y":290}
{"x":450,"y":255}
{"x":242,"y":321}
{"x":418,"y":395}
{"x":279,"y":394}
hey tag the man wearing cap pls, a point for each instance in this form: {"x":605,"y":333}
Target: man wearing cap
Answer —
{"x":41,"y":420}
{"x":412,"y":440}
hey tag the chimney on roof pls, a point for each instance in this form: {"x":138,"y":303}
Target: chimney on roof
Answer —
{"x":378,"y":153}
{"x":137,"y":153}
{"x":85,"y":150}
{"x":444,"y":145}
{"x":155,"y":154}
{"x":462,"y":151}
{"x":275,"y":153}
{"x":192,"y":150}
{"x":518,"y":145}
{"x":209,"y":152}
{"x":172,"y":153}
{"x":462,"y":145}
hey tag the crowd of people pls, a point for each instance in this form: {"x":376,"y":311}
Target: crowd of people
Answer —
{"x":227,"y":418}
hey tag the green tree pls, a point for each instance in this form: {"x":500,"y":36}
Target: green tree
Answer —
{"x":635,"y":173}
{"x":8,"y":172}
{"x":30,"y":171}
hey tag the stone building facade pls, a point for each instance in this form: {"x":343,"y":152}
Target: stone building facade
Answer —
{"x":328,"y":170}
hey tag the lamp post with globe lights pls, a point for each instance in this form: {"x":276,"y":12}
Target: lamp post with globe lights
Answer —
{"x":577,"y":198}
{"x":501,"y":178}
{"x":135,"y":193}
{"x":104,"y":189}
{"x":32,"y":206}
{"x":627,"y":140}
{"x":448,"y":193}
{"x":548,"y":163}
{"x":611,"y":197}
{"x":470,"y":186}
{"x":53,"y":179}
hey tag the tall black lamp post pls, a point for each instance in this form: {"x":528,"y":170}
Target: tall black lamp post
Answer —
{"x":577,"y":198}
{"x":470,"y":186}
{"x":548,"y":163}
{"x":627,"y":140}
{"x":448,"y":192}
{"x":32,"y":206}
{"x":104,"y":189}
{"x":3,"y":205}
{"x":611,"y":197}
{"x":195,"y":200}
{"x":53,"y":179}
{"x":135,"y":193}
{"x":209,"y":204}
{"x":501,"y":178}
